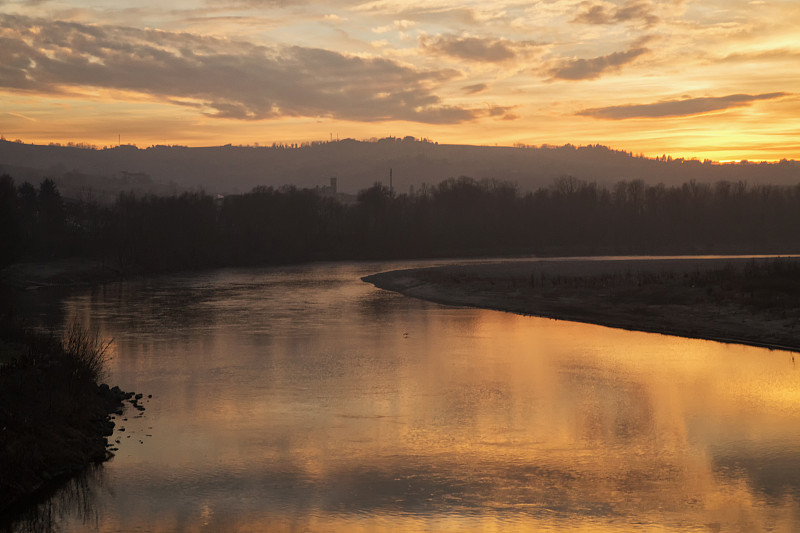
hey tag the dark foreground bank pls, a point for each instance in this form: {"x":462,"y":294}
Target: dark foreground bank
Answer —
{"x":740,"y":300}
{"x":54,"y":414}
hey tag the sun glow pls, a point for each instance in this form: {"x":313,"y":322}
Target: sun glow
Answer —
{"x":713,"y":81}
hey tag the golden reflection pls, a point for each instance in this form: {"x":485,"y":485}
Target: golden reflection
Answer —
{"x":433,"y":418}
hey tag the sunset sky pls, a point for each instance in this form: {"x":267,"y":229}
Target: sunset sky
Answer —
{"x":716,"y":79}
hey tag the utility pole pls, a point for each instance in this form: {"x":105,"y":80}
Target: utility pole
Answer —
{"x":390,"y":181}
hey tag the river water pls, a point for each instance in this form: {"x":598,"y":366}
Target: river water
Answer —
{"x":302,"y":399}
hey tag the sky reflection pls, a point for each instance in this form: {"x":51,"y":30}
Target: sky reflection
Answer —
{"x":362,"y":409}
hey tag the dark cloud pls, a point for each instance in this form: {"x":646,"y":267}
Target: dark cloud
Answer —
{"x":475,"y":89}
{"x":223,"y":78}
{"x":471,"y":48}
{"x":589,"y":69}
{"x":503,"y":112}
{"x":597,"y":13}
{"x":479,"y":49}
{"x":678,"y":108}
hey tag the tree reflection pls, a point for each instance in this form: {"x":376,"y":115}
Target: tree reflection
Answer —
{"x":73,"y":500}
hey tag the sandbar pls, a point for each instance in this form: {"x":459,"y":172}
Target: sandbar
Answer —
{"x":746,"y":300}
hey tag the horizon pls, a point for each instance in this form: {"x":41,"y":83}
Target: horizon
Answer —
{"x":714,"y":80}
{"x":311,"y":143}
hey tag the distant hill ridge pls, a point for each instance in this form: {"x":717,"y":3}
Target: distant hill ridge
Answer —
{"x":359,"y":164}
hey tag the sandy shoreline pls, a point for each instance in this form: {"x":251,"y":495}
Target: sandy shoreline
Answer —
{"x":707,"y":298}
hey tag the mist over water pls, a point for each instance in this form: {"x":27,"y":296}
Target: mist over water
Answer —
{"x":301,"y":398}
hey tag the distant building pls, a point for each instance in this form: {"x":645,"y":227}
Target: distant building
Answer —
{"x":332,"y":191}
{"x":328,"y":190}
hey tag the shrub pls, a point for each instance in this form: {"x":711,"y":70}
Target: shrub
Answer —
{"x":86,"y":352}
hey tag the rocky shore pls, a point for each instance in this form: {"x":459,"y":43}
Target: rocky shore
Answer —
{"x":733,"y":299}
{"x":55,"y":419}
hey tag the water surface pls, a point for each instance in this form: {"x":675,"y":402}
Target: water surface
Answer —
{"x":301,"y":399}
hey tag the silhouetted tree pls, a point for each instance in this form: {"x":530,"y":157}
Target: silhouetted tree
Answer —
{"x":10,"y":230}
{"x":52,"y":220}
{"x":459,"y":216}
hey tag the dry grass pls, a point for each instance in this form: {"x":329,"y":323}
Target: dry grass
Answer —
{"x":87,"y":351}
{"x":52,"y":409}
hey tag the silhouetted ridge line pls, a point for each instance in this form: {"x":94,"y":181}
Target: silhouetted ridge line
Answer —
{"x":358,"y":164}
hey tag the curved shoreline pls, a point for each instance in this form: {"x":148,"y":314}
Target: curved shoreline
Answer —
{"x":718,"y":299}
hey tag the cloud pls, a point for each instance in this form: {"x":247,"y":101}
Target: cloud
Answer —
{"x":475,"y":89}
{"x":471,"y":48}
{"x":589,"y":69}
{"x":397,"y":25}
{"x":478,"y":49}
{"x":223,"y":78}
{"x":255,"y":3}
{"x":776,"y":54}
{"x":601,"y":13}
{"x":431,"y":12}
{"x":678,"y":108}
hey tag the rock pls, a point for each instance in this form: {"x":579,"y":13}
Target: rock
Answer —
{"x":107,"y":428}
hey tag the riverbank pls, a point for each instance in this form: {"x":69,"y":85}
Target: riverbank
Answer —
{"x":739,"y":300}
{"x":59,"y":273}
{"x":55,"y":417}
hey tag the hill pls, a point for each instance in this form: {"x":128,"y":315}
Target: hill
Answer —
{"x":359,"y":164}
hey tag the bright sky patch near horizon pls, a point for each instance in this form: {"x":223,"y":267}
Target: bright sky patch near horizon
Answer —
{"x":717,"y":79}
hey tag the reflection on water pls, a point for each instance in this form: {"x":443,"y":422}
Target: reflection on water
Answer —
{"x":73,"y":500}
{"x":304,"y":399}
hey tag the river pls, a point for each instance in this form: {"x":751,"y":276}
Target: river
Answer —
{"x":302,"y":399}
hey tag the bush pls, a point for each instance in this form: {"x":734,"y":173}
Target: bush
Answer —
{"x":86,"y":352}
{"x":53,"y":413}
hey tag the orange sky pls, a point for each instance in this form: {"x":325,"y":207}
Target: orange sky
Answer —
{"x":710,"y":79}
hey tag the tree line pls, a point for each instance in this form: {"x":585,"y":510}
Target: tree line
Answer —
{"x":457,"y":217}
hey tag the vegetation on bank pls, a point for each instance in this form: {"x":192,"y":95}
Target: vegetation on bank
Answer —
{"x":763,"y":285}
{"x":54,"y":414}
{"x":457,"y":217}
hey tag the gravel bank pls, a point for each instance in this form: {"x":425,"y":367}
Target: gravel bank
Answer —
{"x":733,"y":299}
